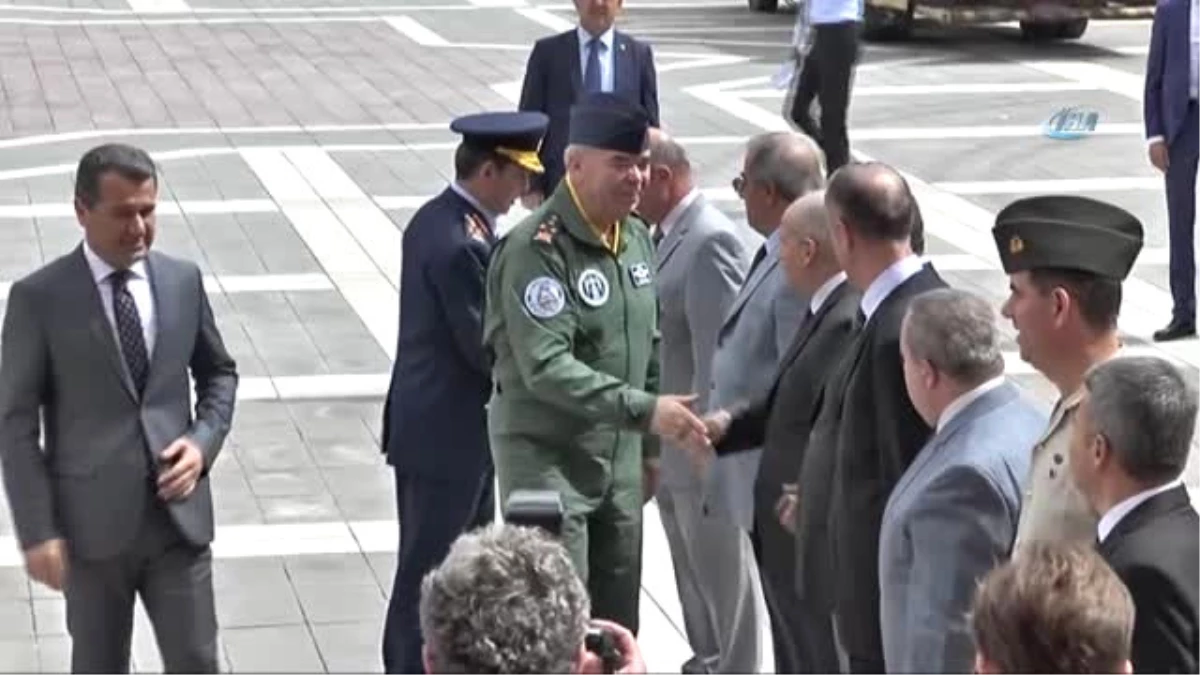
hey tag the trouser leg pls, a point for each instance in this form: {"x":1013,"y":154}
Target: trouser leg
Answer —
{"x":1181,"y":215}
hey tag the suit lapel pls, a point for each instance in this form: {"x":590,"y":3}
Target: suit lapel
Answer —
{"x":764,"y":270}
{"x":623,"y":66}
{"x":572,"y":60}
{"x":164,"y":290}
{"x":808,"y":328}
{"x":675,"y":237}
{"x":99,"y":326}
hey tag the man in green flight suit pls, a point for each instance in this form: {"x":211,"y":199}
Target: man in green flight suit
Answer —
{"x":571,"y":319}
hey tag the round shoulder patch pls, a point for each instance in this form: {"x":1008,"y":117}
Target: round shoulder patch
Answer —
{"x":545,"y":297}
{"x":593,"y":287}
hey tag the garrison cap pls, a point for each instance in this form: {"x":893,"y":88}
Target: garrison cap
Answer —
{"x":609,"y":122}
{"x":515,"y":135}
{"x":1062,"y":232}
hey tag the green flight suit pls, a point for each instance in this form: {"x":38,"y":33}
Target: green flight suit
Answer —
{"x":573,"y":329}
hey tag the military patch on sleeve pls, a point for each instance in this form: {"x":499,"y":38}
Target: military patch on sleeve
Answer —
{"x":547,"y":229}
{"x":545,"y":298}
{"x":639,"y":274}
{"x":476,"y":229}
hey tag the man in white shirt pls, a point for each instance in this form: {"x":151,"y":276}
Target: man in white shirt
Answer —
{"x":1132,"y":436}
{"x":953,"y":515}
{"x":826,"y":45}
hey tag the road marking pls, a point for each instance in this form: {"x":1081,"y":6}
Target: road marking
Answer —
{"x":1093,"y":74}
{"x":544,"y":18}
{"x":942,"y":89}
{"x":165,"y":207}
{"x":498,"y":3}
{"x":1132,"y":50}
{"x":1002,"y":187}
{"x":248,"y":283}
{"x":158,"y":6}
{"x":415,"y":31}
{"x":355,"y":273}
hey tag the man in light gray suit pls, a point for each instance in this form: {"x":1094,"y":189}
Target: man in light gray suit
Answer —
{"x":701,"y":266}
{"x":99,"y":344}
{"x":953,"y":515}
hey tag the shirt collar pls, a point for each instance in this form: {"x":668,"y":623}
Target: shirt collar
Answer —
{"x":1117,"y":513}
{"x":466,"y":194}
{"x":606,"y":38}
{"x":102,"y":270}
{"x":960,"y":404}
{"x":831,"y":284}
{"x":672,"y":217}
{"x":887,"y":281}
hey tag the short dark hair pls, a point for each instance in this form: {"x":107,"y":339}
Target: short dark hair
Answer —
{"x":469,"y":160}
{"x":1146,"y":409}
{"x":1099,"y":298}
{"x":1053,"y":608}
{"x":875,"y":200}
{"x":916,"y":236}
{"x":129,"y":162}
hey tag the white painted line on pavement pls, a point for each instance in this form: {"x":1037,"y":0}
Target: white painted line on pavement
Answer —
{"x":545,"y":18}
{"x":372,"y":296}
{"x":704,"y":62}
{"x":415,"y":31}
{"x":942,"y":89}
{"x":158,"y":6}
{"x":1002,"y":187}
{"x":510,"y":91}
{"x":1096,"y":75}
{"x":498,"y":3}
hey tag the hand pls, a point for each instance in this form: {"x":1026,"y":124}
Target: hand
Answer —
{"x":631,"y":654}
{"x":785,"y":508}
{"x":532,"y":199}
{"x":1158,"y":155}
{"x":183,"y":462}
{"x":651,"y":475}
{"x":674,"y":420}
{"x":717,"y":424}
{"x":46,"y":563}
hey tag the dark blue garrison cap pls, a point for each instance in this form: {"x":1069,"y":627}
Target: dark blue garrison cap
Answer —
{"x":609,"y":122}
{"x":515,"y":135}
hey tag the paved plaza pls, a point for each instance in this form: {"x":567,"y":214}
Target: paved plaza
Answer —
{"x":296,"y":138}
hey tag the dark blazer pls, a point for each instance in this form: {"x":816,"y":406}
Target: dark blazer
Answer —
{"x":878,"y":435}
{"x":554,"y":82}
{"x":1168,"y":68}
{"x":62,"y":373}
{"x":781,"y":419}
{"x":1155,"y":549}
{"x":434,"y":420}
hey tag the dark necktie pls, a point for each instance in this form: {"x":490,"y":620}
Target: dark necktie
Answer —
{"x":860,"y":319}
{"x":129,"y":329}
{"x":758,"y":258}
{"x":657,"y":237}
{"x":591,"y":71}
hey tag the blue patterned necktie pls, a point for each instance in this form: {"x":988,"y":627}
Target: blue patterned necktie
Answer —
{"x":129,"y":329}
{"x":591,"y":72}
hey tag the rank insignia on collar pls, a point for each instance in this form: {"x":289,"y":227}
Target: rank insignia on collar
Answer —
{"x":639,"y":274}
{"x":476,"y":229}
{"x":546,"y":230}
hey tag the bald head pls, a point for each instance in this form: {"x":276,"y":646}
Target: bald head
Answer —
{"x":807,"y":218}
{"x":791,"y":163}
{"x":666,"y":151}
{"x":873,"y":199}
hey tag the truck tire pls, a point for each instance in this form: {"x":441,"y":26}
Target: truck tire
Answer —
{"x":1058,"y":30}
{"x":764,"y":5}
{"x":886,"y":25}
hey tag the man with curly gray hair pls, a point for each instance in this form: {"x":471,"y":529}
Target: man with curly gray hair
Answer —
{"x":507,"y":599}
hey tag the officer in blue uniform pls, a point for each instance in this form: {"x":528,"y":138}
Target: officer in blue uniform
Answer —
{"x":434,"y":421}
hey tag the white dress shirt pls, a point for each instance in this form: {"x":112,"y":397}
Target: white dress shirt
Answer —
{"x":822,"y":294}
{"x":1194,"y":81}
{"x":605,"y":56}
{"x":888,"y":281}
{"x":1117,"y":513}
{"x":672,"y":217}
{"x":834,"y":11}
{"x":960,"y":404}
{"x":139,"y":287}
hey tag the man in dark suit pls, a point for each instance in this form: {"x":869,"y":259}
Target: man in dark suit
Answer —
{"x":99,"y":344}
{"x":1130,"y":446}
{"x":1173,"y":133}
{"x":779,"y":421}
{"x":877,"y":432}
{"x":435,"y":419}
{"x":563,"y":68}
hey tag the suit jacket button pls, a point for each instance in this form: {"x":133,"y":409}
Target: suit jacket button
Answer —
{"x":1051,"y":474}
{"x":1058,"y":459}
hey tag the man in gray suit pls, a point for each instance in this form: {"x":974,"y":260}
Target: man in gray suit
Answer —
{"x":701,"y":266}
{"x":953,"y":515}
{"x":99,"y":343}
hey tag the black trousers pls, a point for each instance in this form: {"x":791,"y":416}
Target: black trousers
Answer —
{"x":433,"y":513}
{"x":826,"y":76}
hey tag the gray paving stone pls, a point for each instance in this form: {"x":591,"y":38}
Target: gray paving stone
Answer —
{"x":337,"y":603}
{"x":16,"y":619}
{"x":329,"y":570}
{"x":350,"y":647}
{"x":50,"y":617}
{"x":322,"y":508}
{"x":14,"y":585}
{"x":272,"y":649}
{"x":260,"y":604}
{"x":289,"y":483}
{"x":19,"y":656}
{"x":54,"y":654}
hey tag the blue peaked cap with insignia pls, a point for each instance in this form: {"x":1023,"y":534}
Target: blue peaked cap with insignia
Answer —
{"x":515,"y":135}
{"x":609,"y":122}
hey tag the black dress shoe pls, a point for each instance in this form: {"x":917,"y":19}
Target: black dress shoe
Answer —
{"x":1176,"y":330}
